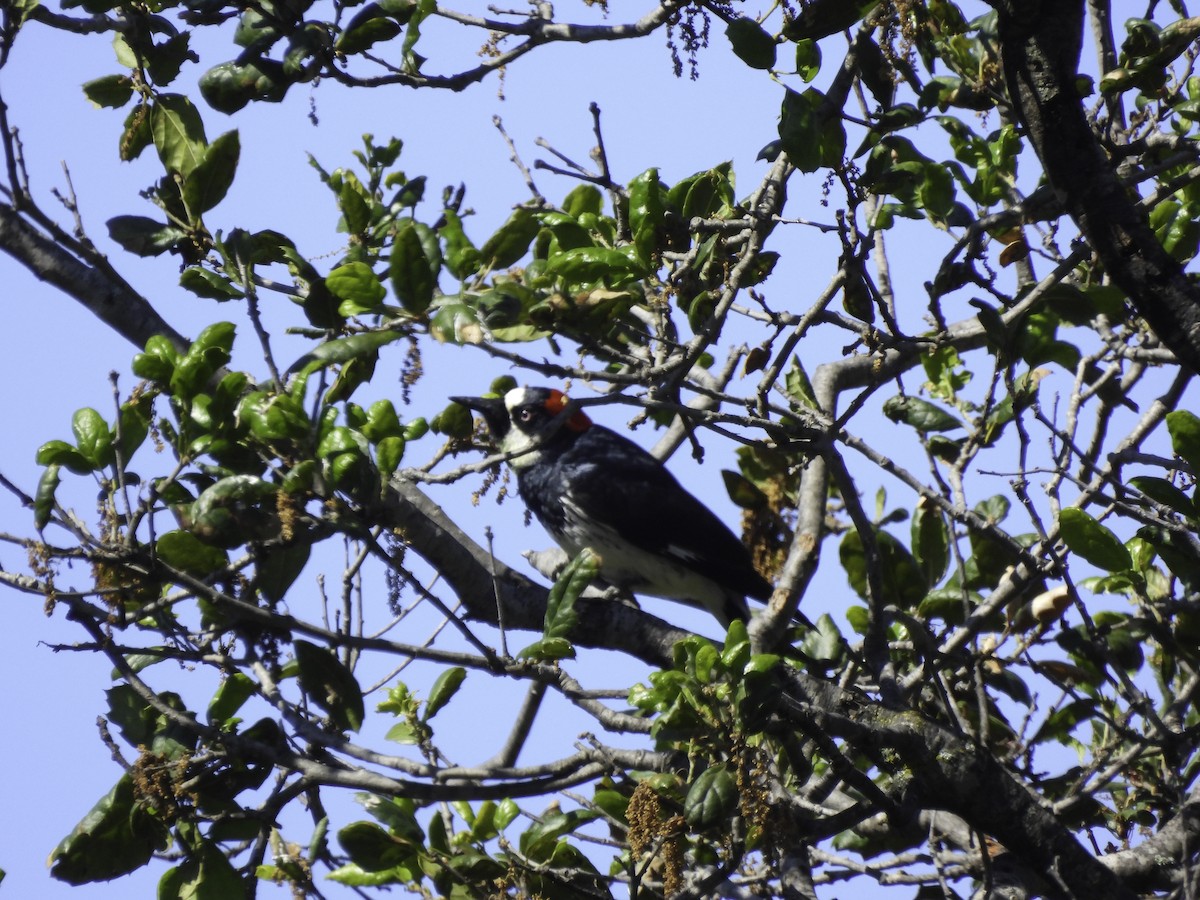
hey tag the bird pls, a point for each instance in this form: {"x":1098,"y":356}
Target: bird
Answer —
{"x":591,"y":487}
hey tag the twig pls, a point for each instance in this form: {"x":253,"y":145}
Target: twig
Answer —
{"x":507,"y":756}
{"x":488,"y":536}
{"x":517,"y":161}
{"x":264,"y":338}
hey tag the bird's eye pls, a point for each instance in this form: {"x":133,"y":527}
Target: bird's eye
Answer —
{"x":525,"y":415}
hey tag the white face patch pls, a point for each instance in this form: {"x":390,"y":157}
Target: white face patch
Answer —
{"x":517,"y":440}
{"x":518,"y":396}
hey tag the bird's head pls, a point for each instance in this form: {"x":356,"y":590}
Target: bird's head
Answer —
{"x":525,"y":419}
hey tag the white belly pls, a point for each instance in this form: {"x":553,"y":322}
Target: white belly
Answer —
{"x":625,"y":566}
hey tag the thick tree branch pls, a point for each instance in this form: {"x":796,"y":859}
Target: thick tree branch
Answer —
{"x":1041,"y":43}
{"x":115,"y":303}
{"x":1154,"y":863}
{"x":467,"y":568}
{"x":949,"y":773}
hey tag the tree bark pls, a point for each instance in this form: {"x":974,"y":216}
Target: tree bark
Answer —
{"x":1040,"y":44}
{"x":944,"y":771}
{"x":115,"y":303}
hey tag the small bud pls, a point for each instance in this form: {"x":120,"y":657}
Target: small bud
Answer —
{"x":1049,"y":605}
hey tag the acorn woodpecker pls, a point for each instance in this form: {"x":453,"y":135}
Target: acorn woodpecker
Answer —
{"x":591,"y":487}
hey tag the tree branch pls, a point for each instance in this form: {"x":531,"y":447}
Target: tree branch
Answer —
{"x":115,"y":303}
{"x":1041,"y":44}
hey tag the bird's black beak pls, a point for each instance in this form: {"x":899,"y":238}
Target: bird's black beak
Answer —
{"x":494,"y":413}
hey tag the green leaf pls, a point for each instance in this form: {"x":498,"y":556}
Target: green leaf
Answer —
{"x":902,"y":582}
{"x":357,"y":287}
{"x":208,"y":183}
{"x":936,"y":193}
{"x":1157,"y":489}
{"x":20,"y":10}
{"x":112,"y":91}
{"x":304,"y":45}
{"x":206,"y":283}
{"x":705,"y":194}
{"x":373,"y":849}
{"x":255,"y":30}
{"x":43,"y":501}
{"x":206,"y":874}
{"x":930,"y":541}
{"x":382,"y":422}
{"x":506,"y":813}
{"x":444,"y":688}
{"x":994,"y":509}
{"x":258,"y":247}
{"x":93,"y":437}
{"x":1061,"y":721}
{"x":1184,"y":428}
{"x":356,"y":372}
{"x":1176,"y":551}
{"x":800,"y":131}
{"x":136,"y":135}
{"x":751,"y":43}
{"x":60,"y":453}
{"x":344,"y":349}
{"x":549,"y":650}
{"x":330,"y":685}
{"x":946,"y":373}
{"x":584,"y":265}
{"x":273,"y":417}
{"x":208,"y":353}
{"x":143,"y":236}
{"x":133,"y":426}
{"x":388,"y":454}
{"x":411,"y":59}
{"x":369,"y":26}
{"x":164,"y":59}
{"x":584,"y":198}
{"x":178,"y":133}
{"x":455,"y":323}
{"x":817,"y":20}
{"x":1093,"y":541}
{"x":735,"y":655}
{"x":184,"y":551}
{"x":808,"y":59}
{"x":946,"y":604}
{"x":824,"y":642}
{"x":797,"y":385}
{"x":355,"y":876}
{"x":512,"y":240}
{"x":711,"y":799}
{"x":540,"y":841}
{"x":403,"y":733}
{"x":278,"y":569}
{"x":742,"y":491}
{"x":462,"y":257}
{"x":229,"y":698}
{"x":116,"y":837}
{"x":414,"y":266}
{"x":355,"y":203}
{"x":646,"y":208}
{"x":922,"y":415}
{"x":571,"y":582}
{"x":230,"y":86}
{"x":874,"y":69}
{"x":454,"y":421}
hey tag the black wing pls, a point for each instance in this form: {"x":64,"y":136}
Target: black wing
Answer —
{"x":627,"y":489}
